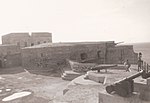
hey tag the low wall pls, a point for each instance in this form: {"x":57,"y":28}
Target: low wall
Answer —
{"x":120,"y":54}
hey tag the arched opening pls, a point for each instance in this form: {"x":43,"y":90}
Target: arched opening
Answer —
{"x":83,"y":56}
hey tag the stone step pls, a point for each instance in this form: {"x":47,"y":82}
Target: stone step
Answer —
{"x":74,"y":75}
{"x":70,"y":75}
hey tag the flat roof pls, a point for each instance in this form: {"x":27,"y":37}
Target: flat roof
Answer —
{"x":17,"y":34}
{"x":64,"y":44}
{"x":48,"y":45}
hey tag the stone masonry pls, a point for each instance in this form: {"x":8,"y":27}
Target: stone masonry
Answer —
{"x":54,"y":55}
{"x":10,"y":56}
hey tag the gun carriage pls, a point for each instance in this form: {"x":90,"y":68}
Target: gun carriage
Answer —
{"x":125,"y":87}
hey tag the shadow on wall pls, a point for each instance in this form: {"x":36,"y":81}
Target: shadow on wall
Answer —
{"x":16,"y":70}
{"x":46,"y":73}
{"x":13,"y":70}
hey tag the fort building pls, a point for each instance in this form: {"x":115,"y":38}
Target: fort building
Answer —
{"x":38,"y":51}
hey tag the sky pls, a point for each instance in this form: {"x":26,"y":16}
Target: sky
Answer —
{"x":78,"y":20}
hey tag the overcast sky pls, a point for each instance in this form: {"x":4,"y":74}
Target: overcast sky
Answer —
{"x":79,"y":20}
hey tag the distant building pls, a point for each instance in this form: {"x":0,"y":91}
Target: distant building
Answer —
{"x":25,"y":40}
{"x":10,"y":50}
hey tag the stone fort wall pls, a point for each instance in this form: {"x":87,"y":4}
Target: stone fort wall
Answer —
{"x":53,"y":55}
{"x":10,"y":56}
{"x":121,"y":53}
{"x":40,"y":52}
{"x":10,"y":50}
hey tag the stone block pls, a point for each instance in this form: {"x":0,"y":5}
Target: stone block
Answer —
{"x":72,"y":73}
{"x":114,"y":98}
{"x":145,"y":94}
{"x":139,"y":85}
{"x":96,"y":77}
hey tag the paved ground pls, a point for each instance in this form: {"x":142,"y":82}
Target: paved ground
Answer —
{"x":48,"y":89}
{"x":43,"y":88}
{"x":86,"y":91}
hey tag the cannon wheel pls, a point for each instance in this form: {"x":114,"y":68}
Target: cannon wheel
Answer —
{"x":110,"y":89}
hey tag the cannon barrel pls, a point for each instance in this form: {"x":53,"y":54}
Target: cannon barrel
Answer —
{"x":119,"y":42}
{"x":103,"y":66}
{"x":124,"y":87}
{"x":131,"y":77}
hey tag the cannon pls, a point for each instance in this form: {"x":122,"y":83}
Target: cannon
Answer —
{"x":125,"y":87}
{"x":103,"y":66}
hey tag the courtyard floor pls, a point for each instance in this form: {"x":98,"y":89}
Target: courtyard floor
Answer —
{"x":42,"y":89}
{"x":49,"y":89}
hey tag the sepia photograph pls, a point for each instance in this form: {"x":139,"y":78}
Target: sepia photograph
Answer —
{"x":74,"y":51}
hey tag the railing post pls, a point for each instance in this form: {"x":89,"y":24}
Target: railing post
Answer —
{"x":144,"y":66}
{"x":147,"y":67}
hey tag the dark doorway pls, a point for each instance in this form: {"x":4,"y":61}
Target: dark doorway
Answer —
{"x":83,"y":56}
{"x":0,"y":63}
{"x":99,"y":54}
{"x":32,"y":44}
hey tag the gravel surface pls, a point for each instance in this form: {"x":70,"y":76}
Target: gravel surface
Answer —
{"x":43,"y":88}
{"x":48,"y":89}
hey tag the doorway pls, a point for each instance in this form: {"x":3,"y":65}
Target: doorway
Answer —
{"x":83,"y":56}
